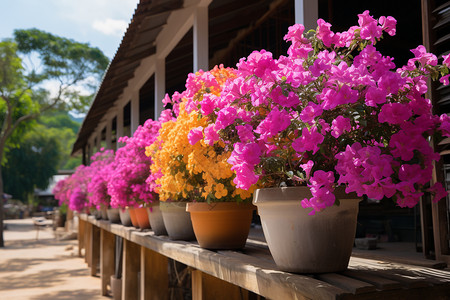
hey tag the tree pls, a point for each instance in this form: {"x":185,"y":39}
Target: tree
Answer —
{"x":33,"y":59}
{"x":32,"y":164}
{"x":62,"y":126}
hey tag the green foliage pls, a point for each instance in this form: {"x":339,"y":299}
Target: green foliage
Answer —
{"x":64,"y":129}
{"x":32,"y":164}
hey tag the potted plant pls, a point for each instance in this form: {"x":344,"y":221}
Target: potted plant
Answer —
{"x":333,"y":117}
{"x":97,"y":187}
{"x":72,"y":191}
{"x":195,"y":170}
{"x":127,"y":184}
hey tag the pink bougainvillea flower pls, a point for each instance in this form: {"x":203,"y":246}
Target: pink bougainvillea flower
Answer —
{"x":195,"y":135}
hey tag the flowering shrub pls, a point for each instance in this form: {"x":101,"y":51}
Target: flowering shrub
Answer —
{"x":189,"y":165}
{"x":334,"y":111}
{"x":73,"y":190}
{"x":101,"y":169}
{"x":131,"y":168}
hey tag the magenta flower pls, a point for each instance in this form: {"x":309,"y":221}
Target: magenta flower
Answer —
{"x":339,"y":126}
{"x":195,"y":135}
{"x":333,"y":111}
{"x":129,"y":183}
{"x":309,"y":140}
{"x":394,"y":113}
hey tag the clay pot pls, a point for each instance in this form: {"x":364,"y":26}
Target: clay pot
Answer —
{"x":222,"y":225}
{"x":142,"y":217}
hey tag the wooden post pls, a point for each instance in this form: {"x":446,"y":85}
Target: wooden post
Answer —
{"x":201,"y":47}
{"x":119,"y":126}
{"x":107,"y":247}
{"x":160,"y":86}
{"x":81,"y":236}
{"x":95,"y":252}
{"x":154,"y":275}
{"x":307,"y":13}
{"x":205,"y":287}
{"x":87,"y":243}
{"x":134,"y":112}
{"x":108,"y":137}
{"x":131,"y":265}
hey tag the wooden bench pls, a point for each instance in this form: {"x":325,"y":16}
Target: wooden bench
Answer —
{"x":250,"y":273}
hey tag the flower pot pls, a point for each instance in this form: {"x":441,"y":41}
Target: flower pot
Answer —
{"x":116,"y":288}
{"x":142,"y":217}
{"x":177,"y":221}
{"x":156,"y":219}
{"x":113,"y":215}
{"x":302,"y":243}
{"x":133,"y":217}
{"x":124,"y":215}
{"x":104,"y":213}
{"x":221,"y":225}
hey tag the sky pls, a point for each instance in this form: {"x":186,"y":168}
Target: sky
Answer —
{"x":101,"y":23}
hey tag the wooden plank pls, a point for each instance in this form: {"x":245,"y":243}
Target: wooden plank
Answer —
{"x":81,"y":233}
{"x":346,"y":283}
{"x":87,"y":243}
{"x":391,"y":271}
{"x":253,"y":269}
{"x":131,"y":266}
{"x":206,"y":287}
{"x":380,"y":282}
{"x":154,"y":275}
{"x":95,"y":250}
{"x":107,"y":250}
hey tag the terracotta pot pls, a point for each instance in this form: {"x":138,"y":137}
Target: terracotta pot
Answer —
{"x":133,"y":217}
{"x":142,"y":217}
{"x":177,"y":221}
{"x":222,"y":225}
{"x":124,"y":215}
{"x":156,"y":219}
{"x":113,"y":215}
{"x":302,"y":243}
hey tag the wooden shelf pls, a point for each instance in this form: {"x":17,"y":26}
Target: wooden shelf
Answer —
{"x":253,"y":269}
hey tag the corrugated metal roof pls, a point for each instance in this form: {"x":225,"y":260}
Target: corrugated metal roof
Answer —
{"x":228,"y":20}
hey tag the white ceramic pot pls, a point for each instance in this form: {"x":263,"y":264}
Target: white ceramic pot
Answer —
{"x":113,"y":215}
{"x":156,"y":219}
{"x":177,"y":221}
{"x":302,"y":243}
{"x":124,"y":216}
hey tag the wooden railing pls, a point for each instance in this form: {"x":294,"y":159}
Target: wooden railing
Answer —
{"x":247,"y":274}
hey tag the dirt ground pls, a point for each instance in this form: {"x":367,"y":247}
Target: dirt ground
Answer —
{"x":43,"y":268}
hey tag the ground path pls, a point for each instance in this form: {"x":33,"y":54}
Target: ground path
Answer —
{"x":45,"y":268}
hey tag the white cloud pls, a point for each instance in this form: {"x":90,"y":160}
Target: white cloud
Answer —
{"x":110,"y":26}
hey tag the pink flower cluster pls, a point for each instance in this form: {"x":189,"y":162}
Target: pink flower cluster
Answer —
{"x":131,"y":168}
{"x":73,"y":190}
{"x":334,"y":111}
{"x":101,"y":169}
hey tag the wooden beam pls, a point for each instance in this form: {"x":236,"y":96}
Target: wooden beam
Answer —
{"x":81,"y":236}
{"x":107,"y":247}
{"x":154,"y":275}
{"x":131,"y":266}
{"x":206,"y":287}
{"x":95,"y":250}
